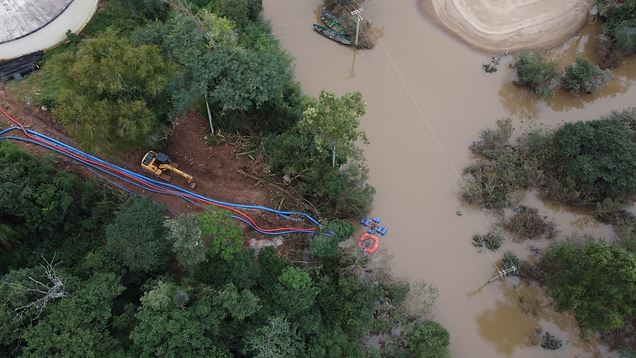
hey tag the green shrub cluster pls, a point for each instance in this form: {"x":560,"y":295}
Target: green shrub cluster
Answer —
{"x":491,"y":240}
{"x":584,"y":77}
{"x":594,"y":280}
{"x":500,"y":171}
{"x":319,"y":155}
{"x":541,"y":75}
{"x":580,"y":163}
{"x":536,"y":73}
{"x":618,"y":33}
{"x":527,"y":224}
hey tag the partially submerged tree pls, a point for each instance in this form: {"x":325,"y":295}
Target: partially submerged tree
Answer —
{"x":596,"y":281}
{"x":536,"y":73}
{"x":584,"y":77}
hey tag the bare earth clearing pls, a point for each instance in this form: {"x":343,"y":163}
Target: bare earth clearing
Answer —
{"x":221,"y":171}
{"x":511,"y":25}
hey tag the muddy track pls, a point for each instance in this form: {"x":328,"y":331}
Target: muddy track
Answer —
{"x":220,"y":171}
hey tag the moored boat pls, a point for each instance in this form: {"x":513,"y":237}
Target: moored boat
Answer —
{"x":331,"y":21}
{"x":333,"y":35}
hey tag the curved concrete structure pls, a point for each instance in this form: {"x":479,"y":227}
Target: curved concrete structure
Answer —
{"x":512,"y":25}
{"x":27,"y":26}
{"x":22,"y":17}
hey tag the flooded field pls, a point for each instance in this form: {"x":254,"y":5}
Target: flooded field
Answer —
{"x":427,"y":101}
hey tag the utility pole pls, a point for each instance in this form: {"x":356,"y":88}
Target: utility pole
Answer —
{"x":357,"y":13}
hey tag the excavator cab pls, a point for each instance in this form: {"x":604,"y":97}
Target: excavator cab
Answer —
{"x":159,"y":163}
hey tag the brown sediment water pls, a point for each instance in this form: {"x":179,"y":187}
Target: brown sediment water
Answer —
{"x":427,"y":100}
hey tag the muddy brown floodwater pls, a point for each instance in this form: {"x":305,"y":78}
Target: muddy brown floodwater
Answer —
{"x":427,"y":101}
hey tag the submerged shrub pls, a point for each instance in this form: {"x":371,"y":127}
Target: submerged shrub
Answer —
{"x":584,"y":77}
{"x":526,"y":223}
{"x":536,"y":73}
{"x":491,"y":240}
{"x":493,"y":142}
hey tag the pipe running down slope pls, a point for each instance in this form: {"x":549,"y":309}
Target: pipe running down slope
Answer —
{"x":155,"y":186}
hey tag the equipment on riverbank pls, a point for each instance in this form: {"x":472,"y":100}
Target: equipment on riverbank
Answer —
{"x":333,"y":35}
{"x":491,"y":66}
{"x":134,"y":179}
{"x":374,"y":226}
{"x":369,"y":242}
{"x":159,"y":163}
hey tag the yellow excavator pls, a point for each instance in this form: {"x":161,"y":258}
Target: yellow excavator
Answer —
{"x":159,"y":163}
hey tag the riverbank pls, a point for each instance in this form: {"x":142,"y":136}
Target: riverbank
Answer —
{"x":498,"y":26}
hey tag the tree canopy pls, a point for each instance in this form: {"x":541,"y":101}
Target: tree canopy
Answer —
{"x":596,"y":159}
{"x":596,"y":281}
{"x":109,"y":91}
{"x":137,"y":236}
{"x":122,"y":299}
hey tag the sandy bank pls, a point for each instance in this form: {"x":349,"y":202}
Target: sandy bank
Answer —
{"x":511,"y":25}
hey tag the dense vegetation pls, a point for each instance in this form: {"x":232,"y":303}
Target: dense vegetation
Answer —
{"x":141,"y":64}
{"x":583,"y":77}
{"x":124,"y":281}
{"x":541,"y":75}
{"x":88,"y":272}
{"x":618,"y":33}
{"x":583,"y":163}
{"x":590,"y":164}
{"x":320,"y":154}
{"x":536,"y":73}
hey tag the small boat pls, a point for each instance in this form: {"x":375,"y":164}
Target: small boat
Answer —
{"x":334,"y":35}
{"x":332,"y":22}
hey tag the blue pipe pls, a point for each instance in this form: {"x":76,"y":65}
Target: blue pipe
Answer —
{"x":144,"y":178}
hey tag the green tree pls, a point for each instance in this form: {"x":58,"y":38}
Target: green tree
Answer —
{"x":113,"y":93}
{"x":320,"y":155}
{"x":296,"y":292}
{"x":584,"y":77}
{"x":137,"y":236}
{"x":77,"y":326}
{"x":277,"y":339}
{"x":239,"y":305}
{"x":333,"y":123}
{"x":235,"y":77}
{"x":618,"y":32}
{"x":426,"y":339}
{"x":240,"y":11}
{"x":536,"y":73}
{"x":168,"y":328}
{"x":187,"y":237}
{"x":596,"y":281}
{"x":596,"y":159}
{"x":226,"y":239}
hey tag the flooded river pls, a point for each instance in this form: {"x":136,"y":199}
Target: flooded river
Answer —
{"x":427,"y":101}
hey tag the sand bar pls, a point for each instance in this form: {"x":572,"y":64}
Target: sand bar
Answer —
{"x":512,"y":25}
